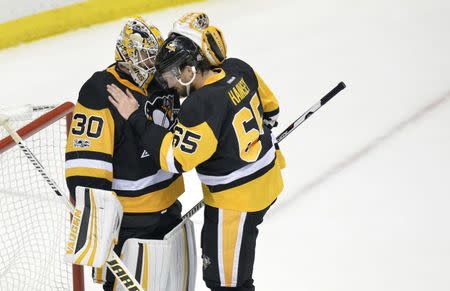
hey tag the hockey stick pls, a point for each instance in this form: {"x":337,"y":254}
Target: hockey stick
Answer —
{"x":341,"y":86}
{"x":314,"y":108}
{"x":114,"y":263}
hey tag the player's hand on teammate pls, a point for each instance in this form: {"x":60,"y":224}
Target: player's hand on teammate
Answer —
{"x":125,"y":103}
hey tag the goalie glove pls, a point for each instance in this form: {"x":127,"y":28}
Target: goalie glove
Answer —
{"x":94,"y":228}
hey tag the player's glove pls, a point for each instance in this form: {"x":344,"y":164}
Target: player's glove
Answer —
{"x":270,"y":122}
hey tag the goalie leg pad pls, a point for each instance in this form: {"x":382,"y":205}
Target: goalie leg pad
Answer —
{"x":149,"y":261}
{"x":163,"y":265}
{"x":184,"y":257}
{"x":94,"y":228}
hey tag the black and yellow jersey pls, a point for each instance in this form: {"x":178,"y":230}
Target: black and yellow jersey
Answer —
{"x":102,"y":151}
{"x":221,"y":133}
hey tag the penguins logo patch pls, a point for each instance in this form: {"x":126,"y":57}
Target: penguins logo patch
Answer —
{"x":160,"y":110}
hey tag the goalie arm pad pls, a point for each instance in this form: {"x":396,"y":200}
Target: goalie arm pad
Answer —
{"x":94,"y":228}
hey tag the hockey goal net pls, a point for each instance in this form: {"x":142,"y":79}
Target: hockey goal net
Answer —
{"x":34,"y":223}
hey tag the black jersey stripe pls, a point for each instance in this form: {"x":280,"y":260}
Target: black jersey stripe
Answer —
{"x":84,"y":221}
{"x":86,"y":181}
{"x":92,"y":182}
{"x":271,"y":113}
{"x":89,"y":155}
{"x":178,"y":166}
{"x":139,"y":263}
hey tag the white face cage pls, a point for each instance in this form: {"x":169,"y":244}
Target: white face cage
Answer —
{"x":136,"y":50}
{"x":144,"y":51}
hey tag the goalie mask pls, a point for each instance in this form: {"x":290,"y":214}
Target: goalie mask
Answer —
{"x":136,"y":49}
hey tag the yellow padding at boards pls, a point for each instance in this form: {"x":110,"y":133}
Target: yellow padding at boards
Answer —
{"x":75,"y":16}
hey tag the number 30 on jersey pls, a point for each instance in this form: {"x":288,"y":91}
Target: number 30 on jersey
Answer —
{"x":92,"y":126}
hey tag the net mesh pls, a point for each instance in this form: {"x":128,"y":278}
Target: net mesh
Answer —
{"x":34,"y":222}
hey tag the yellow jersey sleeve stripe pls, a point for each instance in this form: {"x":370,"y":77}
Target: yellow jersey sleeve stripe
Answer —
{"x":89,"y":163}
{"x":268,"y":99}
{"x":195,"y":145}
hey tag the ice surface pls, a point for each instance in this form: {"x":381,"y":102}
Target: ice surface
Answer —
{"x":367,"y":187}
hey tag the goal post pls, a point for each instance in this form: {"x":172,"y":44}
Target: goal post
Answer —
{"x":19,"y":116}
{"x":34,"y":224}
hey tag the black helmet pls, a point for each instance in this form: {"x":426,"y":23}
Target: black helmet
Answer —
{"x":177,"y":51}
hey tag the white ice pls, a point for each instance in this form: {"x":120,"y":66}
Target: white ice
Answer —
{"x":367,"y":187}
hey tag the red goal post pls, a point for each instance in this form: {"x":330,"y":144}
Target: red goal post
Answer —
{"x":62,"y":111}
{"x":25,"y":198}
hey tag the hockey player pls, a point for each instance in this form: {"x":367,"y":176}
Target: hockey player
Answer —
{"x":103,"y":153}
{"x":224,"y":133}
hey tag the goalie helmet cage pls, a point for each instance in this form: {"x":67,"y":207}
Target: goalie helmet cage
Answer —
{"x":34,"y":224}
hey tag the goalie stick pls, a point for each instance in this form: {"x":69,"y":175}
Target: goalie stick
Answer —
{"x":339,"y":87}
{"x":114,"y":263}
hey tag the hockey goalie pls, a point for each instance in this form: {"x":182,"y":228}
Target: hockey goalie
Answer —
{"x":167,"y":264}
{"x":103,"y":153}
